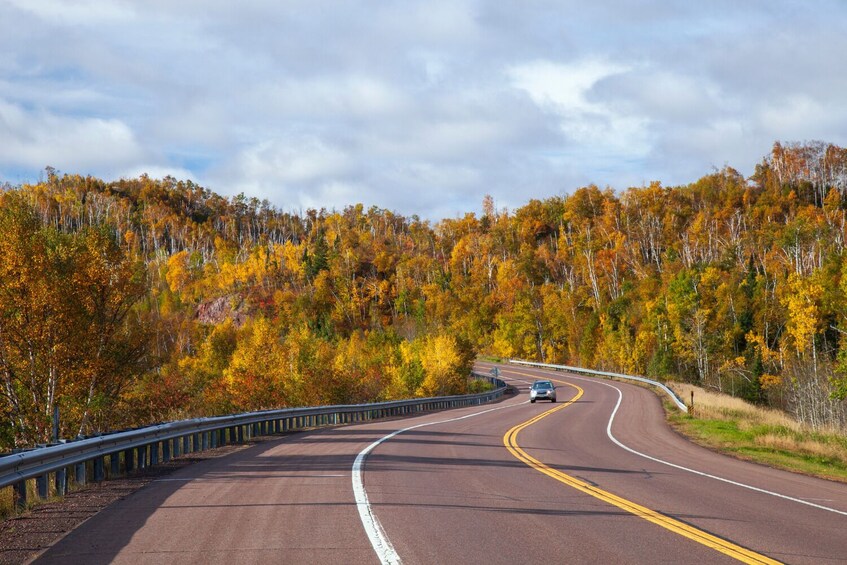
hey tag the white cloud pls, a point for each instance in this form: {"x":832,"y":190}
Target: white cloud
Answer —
{"x":283,"y":168}
{"x":333,"y":95}
{"x":158,"y":172}
{"x":569,"y":92}
{"x":421,"y":105}
{"x":76,"y":12}
{"x":38,"y":138}
{"x":563,"y":88}
{"x":330,"y":195}
{"x":793,"y":116}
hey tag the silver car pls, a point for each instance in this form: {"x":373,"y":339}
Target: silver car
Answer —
{"x":542,"y":390}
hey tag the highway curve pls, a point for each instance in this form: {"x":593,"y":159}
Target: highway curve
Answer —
{"x":510,"y":482}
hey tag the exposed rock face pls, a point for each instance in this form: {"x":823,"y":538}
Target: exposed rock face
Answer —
{"x":219,"y":309}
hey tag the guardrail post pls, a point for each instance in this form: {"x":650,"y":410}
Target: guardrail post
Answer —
{"x":166,"y":451}
{"x":186,"y":444}
{"x":177,"y":446}
{"x":141,"y":457}
{"x":129,"y":460}
{"x":62,"y":481}
{"x":19,"y":489}
{"x":204,"y":440}
{"x":196,"y":442}
{"x":41,"y":483}
{"x":79,"y":473}
{"x":99,"y":469}
{"x":114,"y":465}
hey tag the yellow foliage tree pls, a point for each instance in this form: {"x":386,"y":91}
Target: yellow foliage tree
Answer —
{"x":444,"y":366}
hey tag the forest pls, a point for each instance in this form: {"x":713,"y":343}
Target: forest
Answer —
{"x":142,"y":300}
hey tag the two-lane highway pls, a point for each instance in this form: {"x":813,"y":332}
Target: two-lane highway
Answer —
{"x":509,"y":482}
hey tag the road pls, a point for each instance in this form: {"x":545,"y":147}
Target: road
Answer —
{"x":510,"y":482}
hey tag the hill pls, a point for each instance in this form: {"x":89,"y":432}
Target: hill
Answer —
{"x":143,"y":300}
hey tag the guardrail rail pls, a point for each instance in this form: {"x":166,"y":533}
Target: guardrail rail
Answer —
{"x":137,"y":449}
{"x":579,"y":370}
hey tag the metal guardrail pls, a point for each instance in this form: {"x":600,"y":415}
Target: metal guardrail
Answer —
{"x":143,"y":447}
{"x":678,"y":401}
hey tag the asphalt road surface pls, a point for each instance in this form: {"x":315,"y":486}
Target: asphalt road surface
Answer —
{"x":509,"y":482}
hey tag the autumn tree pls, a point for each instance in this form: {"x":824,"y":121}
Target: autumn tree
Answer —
{"x":67,"y":336}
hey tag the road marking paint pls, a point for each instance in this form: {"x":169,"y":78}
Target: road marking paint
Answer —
{"x":376,"y":534}
{"x":294,"y":476}
{"x":690,"y":532}
{"x":694,"y":471}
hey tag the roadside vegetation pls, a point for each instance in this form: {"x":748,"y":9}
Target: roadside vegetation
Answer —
{"x":144,"y":300}
{"x":764,"y":435}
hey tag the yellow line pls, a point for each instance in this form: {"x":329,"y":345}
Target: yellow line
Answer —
{"x":690,"y":532}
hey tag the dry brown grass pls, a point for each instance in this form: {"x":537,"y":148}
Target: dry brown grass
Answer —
{"x":763,"y":432}
{"x":812,"y":447}
{"x":709,"y":404}
{"x":7,"y":502}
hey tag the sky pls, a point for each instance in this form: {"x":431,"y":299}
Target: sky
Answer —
{"x":421,"y":107}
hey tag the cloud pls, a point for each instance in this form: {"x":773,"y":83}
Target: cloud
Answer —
{"x":157,"y":172}
{"x":339,"y":96}
{"x":572,"y":94}
{"x":288,"y":169}
{"x":79,"y":12}
{"x":563,"y":87}
{"x":37,"y":138}
{"x":422,"y":106}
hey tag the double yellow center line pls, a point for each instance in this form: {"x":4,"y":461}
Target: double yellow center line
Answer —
{"x":510,"y":440}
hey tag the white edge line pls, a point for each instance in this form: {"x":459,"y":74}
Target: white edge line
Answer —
{"x":701,"y":473}
{"x":379,"y":540}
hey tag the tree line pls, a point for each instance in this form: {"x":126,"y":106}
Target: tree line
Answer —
{"x":145,"y":300}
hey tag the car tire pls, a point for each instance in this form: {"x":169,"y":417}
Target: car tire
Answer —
{"x":532,"y":401}
{"x":552,"y":400}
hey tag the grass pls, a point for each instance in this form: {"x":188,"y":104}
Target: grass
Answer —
{"x":7,"y":503}
{"x":490,"y":358}
{"x":732,"y":426}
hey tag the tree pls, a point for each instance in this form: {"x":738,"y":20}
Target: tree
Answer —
{"x":66,"y":335}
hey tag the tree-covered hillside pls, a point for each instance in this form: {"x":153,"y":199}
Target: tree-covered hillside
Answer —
{"x":142,"y":300}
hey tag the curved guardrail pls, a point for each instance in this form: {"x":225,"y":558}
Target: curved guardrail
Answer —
{"x":676,"y":400}
{"x":140,"y":448}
